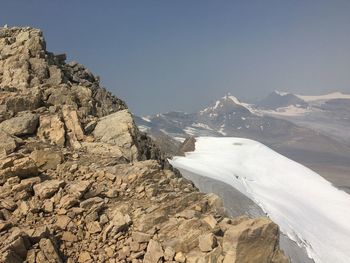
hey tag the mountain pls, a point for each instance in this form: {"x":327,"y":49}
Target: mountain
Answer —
{"x":79,"y":182}
{"x":281,"y":130}
{"x":277,"y":99}
{"x":328,"y":114}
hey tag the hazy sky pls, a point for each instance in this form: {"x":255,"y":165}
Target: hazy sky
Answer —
{"x":181,"y":54}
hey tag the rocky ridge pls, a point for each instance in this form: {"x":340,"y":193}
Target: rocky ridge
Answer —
{"x":80,"y":183}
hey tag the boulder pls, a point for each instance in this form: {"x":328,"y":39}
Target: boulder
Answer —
{"x":52,"y":129}
{"x":8,"y":143}
{"x":207,"y":242}
{"x":46,"y":159}
{"x":154,"y":252}
{"x":48,"y":188}
{"x":23,"y":168}
{"x":252,"y":240}
{"x":25,"y":124}
{"x":48,"y":252}
{"x":118,"y":129}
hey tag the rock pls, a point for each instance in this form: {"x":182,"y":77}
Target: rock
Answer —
{"x":52,"y":129}
{"x":118,"y":129}
{"x":120,"y":220}
{"x":74,"y":131}
{"x":94,"y":227}
{"x":99,"y":148}
{"x":26,"y":184}
{"x":207,"y":242}
{"x":169,"y":253}
{"x":154,"y":252}
{"x":69,"y":237}
{"x":49,"y":253}
{"x":252,"y":240}
{"x":140,"y":237}
{"x":210,"y":220}
{"x":84,"y":257}
{"x":25,"y":124}
{"x":8,"y":143}
{"x":48,"y":188}
{"x":22,"y":168}
{"x":46,"y":159}
{"x":180,"y":257}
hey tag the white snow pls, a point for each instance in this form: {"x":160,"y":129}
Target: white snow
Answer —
{"x":146,"y":119}
{"x":201,"y":125}
{"x":290,"y":110}
{"x":330,"y":96}
{"x":281,"y":93}
{"x":143,"y":128}
{"x":305,"y":206}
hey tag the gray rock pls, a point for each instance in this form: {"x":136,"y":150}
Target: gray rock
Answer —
{"x":25,"y":124}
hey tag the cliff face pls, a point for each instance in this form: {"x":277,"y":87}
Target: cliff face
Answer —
{"x":80,"y":183}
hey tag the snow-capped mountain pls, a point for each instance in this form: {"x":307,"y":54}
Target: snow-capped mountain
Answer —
{"x":277,"y":99}
{"x":305,"y":134}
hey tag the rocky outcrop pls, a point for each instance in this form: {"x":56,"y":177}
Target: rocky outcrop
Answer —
{"x":80,"y":183}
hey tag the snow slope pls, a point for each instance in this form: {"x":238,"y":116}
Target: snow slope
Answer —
{"x":306,"y":207}
{"x":330,"y":96}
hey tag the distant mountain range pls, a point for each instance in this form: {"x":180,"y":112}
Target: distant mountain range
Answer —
{"x":313,"y":130}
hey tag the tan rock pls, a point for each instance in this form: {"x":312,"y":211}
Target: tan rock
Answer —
{"x":84,"y":257}
{"x":71,"y":120}
{"x":52,"y":129}
{"x":22,"y":168}
{"x":207,"y":242}
{"x":140,"y":237}
{"x":48,"y":188}
{"x":154,"y":252}
{"x":25,"y":124}
{"x":93,"y":227}
{"x":8,"y":143}
{"x":180,"y":257}
{"x":252,"y":240}
{"x":118,"y":129}
{"x":49,"y":252}
{"x":210,"y":220}
{"x":69,"y":237}
{"x":169,"y":253}
{"x":46,"y":159}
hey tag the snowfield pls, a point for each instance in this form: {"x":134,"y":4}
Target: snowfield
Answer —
{"x":306,"y":207}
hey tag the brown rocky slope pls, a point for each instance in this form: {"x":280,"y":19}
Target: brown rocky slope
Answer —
{"x":80,"y":183}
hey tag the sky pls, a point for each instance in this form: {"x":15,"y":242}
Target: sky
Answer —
{"x":179,"y":55}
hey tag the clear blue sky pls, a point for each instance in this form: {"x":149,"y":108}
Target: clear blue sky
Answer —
{"x":181,"y":54}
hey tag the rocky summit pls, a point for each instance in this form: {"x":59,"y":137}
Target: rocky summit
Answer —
{"x":80,"y":183}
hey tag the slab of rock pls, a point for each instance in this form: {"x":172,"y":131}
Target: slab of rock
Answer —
{"x":25,"y":124}
{"x":74,"y":131}
{"x":22,"y":168}
{"x":48,"y":252}
{"x":252,"y":240}
{"x":118,"y":129}
{"x":46,"y":159}
{"x":207,"y":242}
{"x":48,"y":188}
{"x":154,"y":252}
{"x":52,"y":129}
{"x":8,"y":143}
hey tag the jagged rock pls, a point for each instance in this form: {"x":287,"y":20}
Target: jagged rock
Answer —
{"x":154,"y":252}
{"x":46,"y":159}
{"x":207,"y":242}
{"x":25,"y":124}
{"x":252,"y":240}
{"x":84,"y":257}
{"x":169,"y":253}
{"x":74,"y":131}
{"x":22,"y":168}
{"x":52,"y":129}
{"x":8,"y":143}
{"x":93,"y":227}
{"x":48,"y":188}
{"x":48,"y":252}
{"x":118,"y":129}
{"x":26,"y":184}
{"x":140,"y":237}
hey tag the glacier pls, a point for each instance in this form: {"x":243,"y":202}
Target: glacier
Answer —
{"x":307,"y":208}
